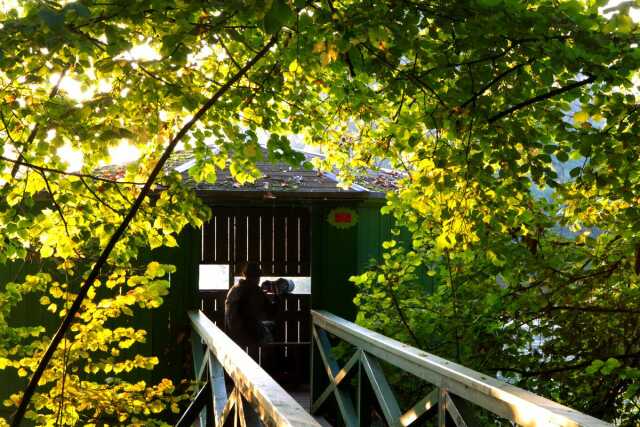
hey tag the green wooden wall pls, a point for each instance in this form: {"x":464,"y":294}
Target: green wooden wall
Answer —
{"x":373,"y":229}
{"x":170,"y":328}
{"x":337,"y":254}
{"x":22,"y":315}
{"x":341,"y":253}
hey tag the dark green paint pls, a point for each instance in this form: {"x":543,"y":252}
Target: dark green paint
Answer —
{"x":337,"y":254}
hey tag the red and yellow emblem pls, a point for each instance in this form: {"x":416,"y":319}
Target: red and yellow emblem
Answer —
{"x":342,"y":217}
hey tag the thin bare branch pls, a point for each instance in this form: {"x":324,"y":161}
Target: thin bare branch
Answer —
{"x":543,"y":97}
{"x":106,"y":252}
{"x":18,"y":163}
{"x":36,"y":127}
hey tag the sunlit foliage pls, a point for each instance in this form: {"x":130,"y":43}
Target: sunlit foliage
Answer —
{"x":514,"y":124}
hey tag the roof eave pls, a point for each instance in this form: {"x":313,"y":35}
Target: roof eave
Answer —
{"x":276,"y":196}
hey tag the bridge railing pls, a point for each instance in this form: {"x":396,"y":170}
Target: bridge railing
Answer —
{"x":454,"y":385}
{"x":253,"y":398}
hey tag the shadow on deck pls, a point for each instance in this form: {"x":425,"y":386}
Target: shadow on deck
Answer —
{"x":302,"y":395}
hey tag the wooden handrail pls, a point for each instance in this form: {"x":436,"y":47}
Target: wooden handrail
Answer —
{"x":503,"y":399}
{"x":267,"y":398}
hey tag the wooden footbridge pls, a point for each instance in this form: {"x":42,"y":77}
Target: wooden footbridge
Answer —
{"x":235,"y":390}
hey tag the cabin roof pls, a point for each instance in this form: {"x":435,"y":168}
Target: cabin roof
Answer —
{"x":279,"y":181}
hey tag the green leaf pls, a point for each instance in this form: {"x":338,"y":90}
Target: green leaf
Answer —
{"x":46,"y":251}
{"x":562,"y":156}
{"x":575,"y":172}
{"x":580,"y":117}
{"x":610,"y":365}
{"x":54,"y":20}
{"x":489,"y":3}
{"x":594,"y":367}
{"x":79,"y":8}
{"x":388,"y":244}
{"x":279,"y":15}
{"x":625,"y":23}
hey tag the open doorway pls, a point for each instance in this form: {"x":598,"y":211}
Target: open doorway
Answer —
{"x":279,"y":238}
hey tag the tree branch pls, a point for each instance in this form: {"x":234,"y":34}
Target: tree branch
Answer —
{"x":539,"y":98}
{"x":559,"y":369}
{"x":224,"y":46}
{"x":6,"y":129}
{"x":409,"y":76}
{"x":499,"y":77}
{"x":55,"y":203}
{"x":98,"y":198}
{"x":403,"y":319}
{"x":104,"y":256}
{"x":593,"y":309}
{"x":18,"y":162}
{"x":155,"y":76}
{"x":36,"y":127}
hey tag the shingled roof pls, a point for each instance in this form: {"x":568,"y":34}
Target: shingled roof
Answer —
{"x":278,"y":181}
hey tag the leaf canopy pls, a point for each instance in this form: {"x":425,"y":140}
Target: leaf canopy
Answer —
{"x":514,"y":124}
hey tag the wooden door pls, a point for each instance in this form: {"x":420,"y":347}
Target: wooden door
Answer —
{"x":280,"y":240}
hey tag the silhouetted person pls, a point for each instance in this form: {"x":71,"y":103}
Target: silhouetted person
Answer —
{"x":246,"y":307}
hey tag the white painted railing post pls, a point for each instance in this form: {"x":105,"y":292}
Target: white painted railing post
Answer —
{"x":256,"y":398}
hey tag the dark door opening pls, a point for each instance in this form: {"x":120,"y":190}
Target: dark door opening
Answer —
{"x":280,"y":240}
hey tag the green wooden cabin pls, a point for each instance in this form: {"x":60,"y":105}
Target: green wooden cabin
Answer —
{"x":297,"y":223}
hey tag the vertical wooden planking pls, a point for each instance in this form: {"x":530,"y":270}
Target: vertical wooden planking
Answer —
{"x":442,"y":408}
{"x":296,"y":337}
{"x":281,"y":317}
{"x":254,"y":352}
{"x":339,"y":260}
{"x":222,"y":238}
{"x":240,"y":240}
{"x":231,"y":245}
{"x":279,"y":245}
{"x":291,"y":266}
{"x":208,"y":241}
{"x":266,"y":241}
{"x":305,"y":243}
{"x":280,"y":238}
{"x":305,"y":321}
{"x":212,"y":304}
{"x":220,"y":298}
{"x":254,"y":235}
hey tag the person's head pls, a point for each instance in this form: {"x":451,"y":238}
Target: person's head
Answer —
{"x":251,"y":271}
